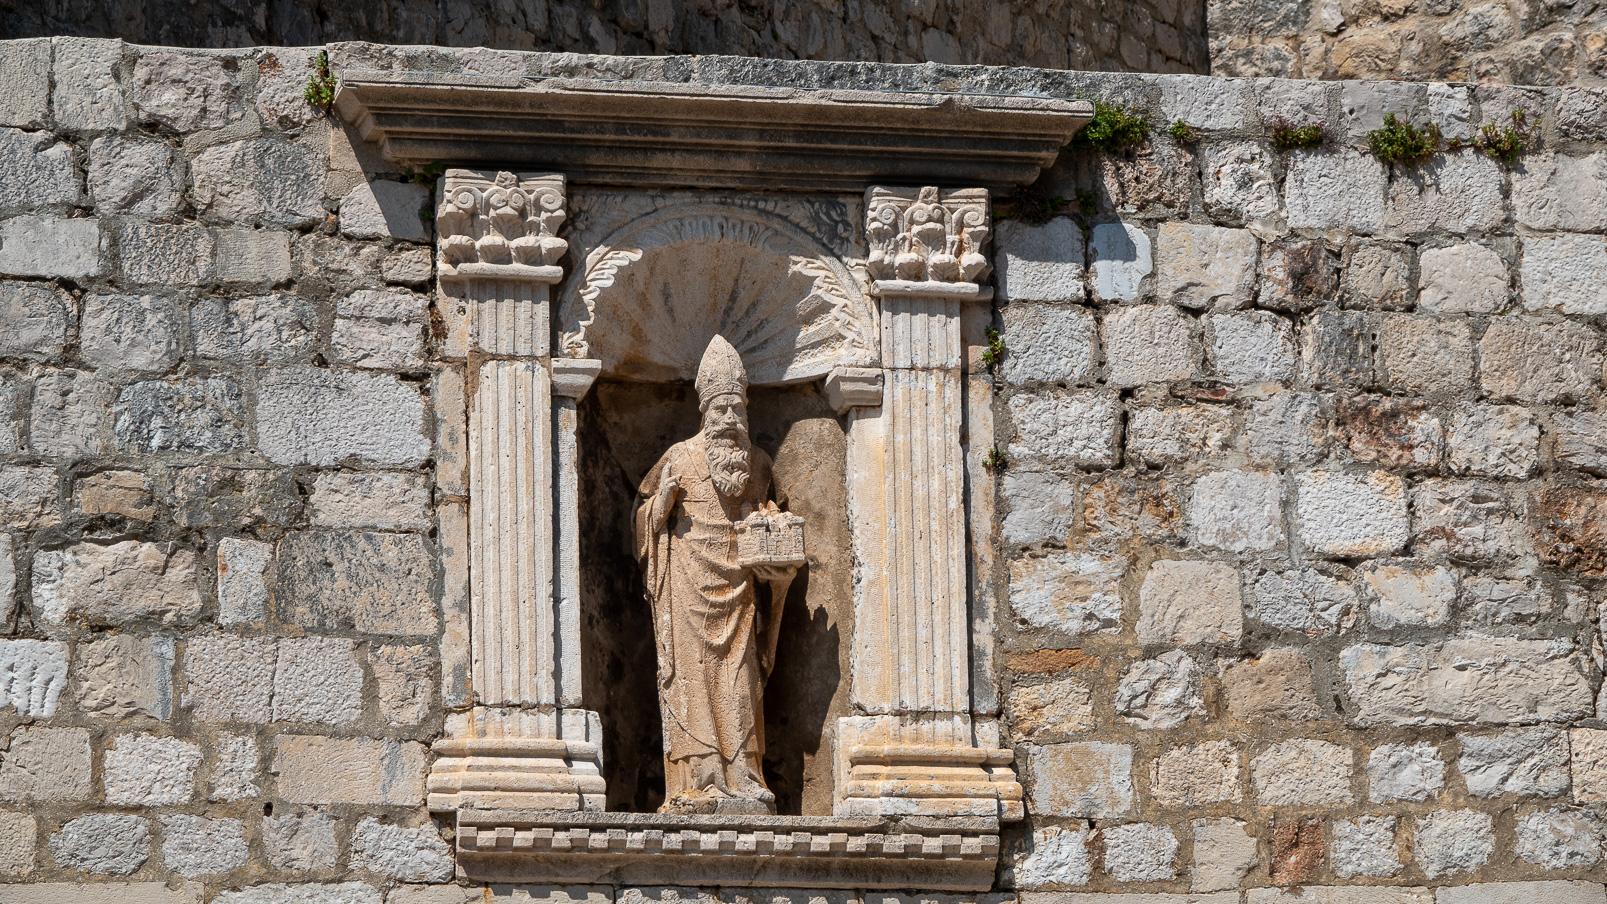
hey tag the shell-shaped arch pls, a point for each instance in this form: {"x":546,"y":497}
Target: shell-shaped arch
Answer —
{"x":655,"y":291}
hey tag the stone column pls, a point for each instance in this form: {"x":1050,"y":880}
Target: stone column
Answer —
{"x":916,"y":748}
{"x":525,"y":741}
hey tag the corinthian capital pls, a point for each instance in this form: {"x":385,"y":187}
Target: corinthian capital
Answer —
{"x":503,"y":226}
{"x":924,"y":235}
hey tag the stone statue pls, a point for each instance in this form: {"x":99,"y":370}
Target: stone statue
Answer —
{"x":707,"y":529}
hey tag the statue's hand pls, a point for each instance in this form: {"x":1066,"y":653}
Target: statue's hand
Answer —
{"x":771,"y":572}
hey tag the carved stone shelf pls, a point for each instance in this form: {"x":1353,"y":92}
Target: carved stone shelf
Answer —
{"x":948,"y":854}
{"x":726,"y":136}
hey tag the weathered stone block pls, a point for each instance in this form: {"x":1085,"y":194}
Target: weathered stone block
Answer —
{"x":1495,"y":441}
{"x":1191,"y":433}
{"x":134,"y":176}
{"x":1335,"y":192}
{"x":1377,"y":276}
{"x":1140,"y":852}
{"x":409,"y":266}
{"x":1566,"y":273}
{"x":1061,"y":429}
{"x":1054,"y":857}
{"x":110,"y":844}
{"x":1581,"y":440}
{"x":1161,"y":693}
{"x":385,"y":210}
{"x":1090,"y":780}
{"x":1275,"y":685}
{"x":370,"y":582}
{"x":259,"y":180}
{"x":1559,"y":892}
{"x":1453,"y":841}
{"x":34,"y":320}
{"x":125,"y":493}
{"x":116,"y":584}
{"x":1410,"y":594}
{"x":1336,"y":349}
{"x":1240,"y":185}
{"x":27,"y":496}
{"x":185,"y":90}
{"x":1306,"y":601}
{"x":1399,"y":433}
{"x":370,"y":499}
{"x":1206,"y":266}
{"x":242,"y":580}
{"x":403,"y":683}
{"x":1251,"y":347}
{"x":1051,"y":711}
{"x":1118,"y":508}
{"x":1205,"y":103}
{"x":250,"y":256}
{"x":52,"y":247}
{"x":1501,"y":680}
{"x":158,"y":254}
{"x":1457,"y":193}
{"x":193,"y":846}
{"x":32,"y":672}
{"x":1366,"y":846}
{"x":380,"y":328}
{"x":1039,"y":263}
{"x":46,"y":764}
{"x":1411,"y":772}
{"x":1463,"y":279}
{"x":137,"y":332}
{"x":410,"y":855}
{"x":321,"y":417}
{"x":144,"y":770}
{"x":1488,"y":601}
{"x":1048,"y":344}
{"x":300,"y":842}
{"x":1196,"y":774}
{"x":1238,"y":511}
{"x":235,"y":770}
{"x":318,"y":770}
{"x":191,"y":416}
{"x":333,"y":893}
{"x":1042,"y":506}
{"x":25,"y":90}
{"x":1149,"y":344}
{"x":1530,"y":762}
{"x":1554,"y":192}
{"x":36,"y":172}
{"x":123,"y":675}
{"x":19,"y":832}
{"x":86,"y":96}
{"x":1559,"y":838}
{"x":1297,"y":275}
{"x":1424,"y":355}
{"x":1182,"y":603}
{"x":317,"y":679}
{"x":1469,"y":520}
{"x":1071,"y":592}
{"x":232,"y":497}
{"x":231,"y":678}
{"x":1534,"y":360}
{"x":265,"y":329}
{"x":1302,"y":772}
{"x":1351,"y":515}
{"x":1119,"y":257}
{"x":1224,"y":853}
{"x":69,"y":414}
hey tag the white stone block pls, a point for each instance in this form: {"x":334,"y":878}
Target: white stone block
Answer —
{"x":1467,"y":679}
{"x":1120,"y":257}
{"x":1284,"y":428}
{"x":1205,"y":266}
{"x":1191,"y":775}
{"x":324,"y":418}
{"x":52,"y":246}
{"x":1535,"y":360}
{"x":1558,"y":892}
{"x":312,"y":769}
{"x":144,"y":770}
{"x":1555,"y":192}
{"x":317,"y":679}
{"x":1463,"y":279}
{"x":1303,"y":773}
{"x":1409,"y":594}
{"x":1181,"y":434}
{"x":235,"y":770}
{"x":311,"y":893}
{"x":1140,"y":852}
{"x":1566,"y":273}
{"x":1459,"y":193}
{"x":1039,"y":263}
{"x":124,"y":675}
{"x":1224,"y":853}
{"x":1495,"y":441}
{"x":1048,"y":344}
{"x":108,"y":844}
{"x":1240,"y":184}
{"x":1411,"y":772}
{"x":1184,"y":603}
{"x":193,"y":846}
{"x":303,"y":841}
{"x":1149,"y":344}
{"x":251,"y":256}
{"x":1351,"y":515}
{"x":259,"y":180}
{"x":385,"y":210}
{"x":1238,"y":511}
{"x":1062,"y":429}
{"x":36,"y":172}
{"x":134,"y":176}
{"x":1530,"y":762}
{"x":402,"y":677}
{"x":1581,"y":439}
{"x":242,"y":580}
{"x":1042,"y":506}
{"x":32,"y":672}
{"x":268,"y":329}
{"x":1306,"y":601}
{"x":1335,"y":192}
{"x":133,"y":332}
{"x":1090,"y":780}
{"x":1559,"y":838}
{"x":34,"y":320}
{"x":1365,"y":846}
{"x":1055,"y":856}
{"x":185,"y":90}
{"x":116,"y":584}
{"x":231,"y":679}
{"x":410,"y":855}
{"x":1163,"y":692}
{"x":19,"y":832}
{"x":1205,"y":103}
{"x":1070,"y":592}
{"x":25,"y":83}
{"x":1250,"y":347}
{"x":397,"y":500}
{"x":86,"y":95}
{"x":45,"y":764}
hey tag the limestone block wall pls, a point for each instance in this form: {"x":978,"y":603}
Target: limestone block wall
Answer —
{"x":1295,"y":571}
{"x":1507,"y":42}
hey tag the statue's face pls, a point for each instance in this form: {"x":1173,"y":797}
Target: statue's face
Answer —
{"x":726,"y":416}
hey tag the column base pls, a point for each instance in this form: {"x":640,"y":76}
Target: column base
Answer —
{"x":511,"y":772}
{"x":931,"y":776}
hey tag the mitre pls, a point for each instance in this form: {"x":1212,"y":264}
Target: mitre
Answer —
{"x":720,"y":372}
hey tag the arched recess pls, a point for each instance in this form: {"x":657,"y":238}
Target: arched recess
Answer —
{"x":654,"y":292}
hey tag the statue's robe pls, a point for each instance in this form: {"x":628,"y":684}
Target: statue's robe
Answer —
{"x":705,"y":619}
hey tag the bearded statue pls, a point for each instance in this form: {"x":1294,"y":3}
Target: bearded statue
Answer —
{"x":708,"y":530}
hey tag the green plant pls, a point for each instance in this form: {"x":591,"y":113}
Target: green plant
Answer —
{"x":1184,"y":132}
{"x":1087,"y":203}
{"x":1113,"y":128}
{"x":1287,"y":136}
{"x":1505,"y":144}
{"x":427,"y":173}
{"x":995,"y":460}
{"x":320,"y":91}
{"x":1401,"y":142}
{"x":994,"y":353}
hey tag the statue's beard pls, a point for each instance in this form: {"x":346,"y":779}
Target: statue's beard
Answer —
{"x":727,"y":452}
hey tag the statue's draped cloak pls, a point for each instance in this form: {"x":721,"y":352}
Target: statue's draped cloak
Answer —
{"x":705,"y":619}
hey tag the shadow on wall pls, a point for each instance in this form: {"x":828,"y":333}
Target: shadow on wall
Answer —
{"x":624,"y":428}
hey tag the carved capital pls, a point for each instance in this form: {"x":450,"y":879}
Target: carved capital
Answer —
{"x":854,"y":387}
{"x":572,"y":377}
{"x":502,"y":227}
{"x":925,"y":238}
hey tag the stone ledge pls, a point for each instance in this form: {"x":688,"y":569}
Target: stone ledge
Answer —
{"x":953,"y":854}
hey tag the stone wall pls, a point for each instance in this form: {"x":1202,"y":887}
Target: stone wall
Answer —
{"x":1132,"y":36}
{"x":1298,"y":552}
{"x":1521,"y":43}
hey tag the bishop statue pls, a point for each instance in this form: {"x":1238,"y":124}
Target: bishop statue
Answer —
{"x":708,"y":529}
